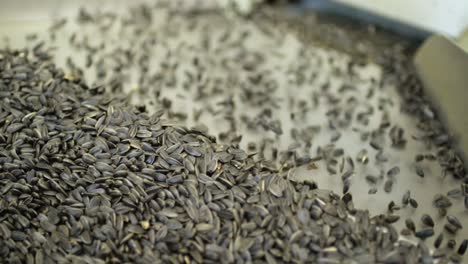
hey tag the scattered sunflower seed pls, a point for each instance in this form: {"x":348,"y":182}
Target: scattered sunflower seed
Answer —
{"x":393,"y":171}
{"x":438,"y":241}
{"x":427,"y":220}
{"x":424,"y":233}
{"x":451,"y":243}
{"x":451,"y":228}
{"x":406,"y":198}
{"x":410,"y":224}
{"x":463,"y":246}
{"x":454,"y":221}
{"x":388,"y":185}
{"x":413,"y":203}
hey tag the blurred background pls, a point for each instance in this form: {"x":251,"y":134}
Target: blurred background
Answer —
{"x":414,"y":18}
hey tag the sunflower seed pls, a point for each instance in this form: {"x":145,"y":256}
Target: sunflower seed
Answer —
{"x":413,"y":203}
{"x":455,"y":193}
{"x":424,"y":233}
{"x":441,"y":201}
{"x":438,"y":241}
{"x":427,"y":220}
{"x":406,"y":197}
{"x":410,"y":224}
{"x":388,"y":186}
{"x":451,"y":228}
{"x":420,"y":172}
{"x":371,"y":179}
{"x":362,"y":157}
{"x":463,"y":246}
{"x":393,"y":171}
{"x":451,"y":244}
{"x":454,"y":221}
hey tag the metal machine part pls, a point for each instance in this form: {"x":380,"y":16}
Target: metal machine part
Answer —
{"x":416,"y":18}
{"x":442,"y":66}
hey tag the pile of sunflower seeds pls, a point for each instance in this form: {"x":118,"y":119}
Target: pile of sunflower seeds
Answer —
{"x":258,"y":87}
{"x":118,"y":181}
{"x":85,"y":177}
